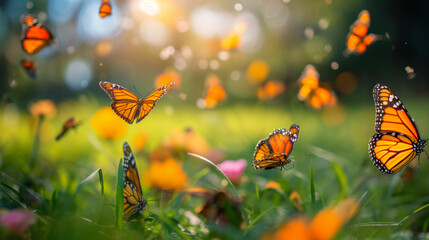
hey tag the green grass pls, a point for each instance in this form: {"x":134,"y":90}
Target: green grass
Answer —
{"x":72,"y":186}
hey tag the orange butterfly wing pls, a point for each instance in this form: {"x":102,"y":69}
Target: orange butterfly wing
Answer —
{"x":275,"y":150}
{"x":133,"y":196}
{"x":357,"y":39}
{"x":397,"y":140}
{"x":124,"y":103}
{"x":150,"y":101}
{"x":105,"y":8}
{"x":30,"y":67}
{"x":35,"y":36}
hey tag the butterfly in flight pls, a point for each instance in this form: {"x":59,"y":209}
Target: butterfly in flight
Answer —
{"x":311,"y":92}
{"x":133,"y":196}
{"x":30,"y":67}
{"x":34,"y":36}
{"x":105,"y":8}
{"x":357,"y":41}
{"x":275,"y":150}
{"x":127,"y":105}
{"x":215,"y":91}
{"x":270,"y":90}
{"x":397,"y":139}
{"x":69,"y":124}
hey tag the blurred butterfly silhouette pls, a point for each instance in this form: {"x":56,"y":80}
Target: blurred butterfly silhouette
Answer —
{"x":215,"y":91}
{"x":105,"y":8}
{"x":127,"y":105}
{"x":35,"y":36}
{"x":133,"y":196}
{"x":397,"y":139}
{"x":275,"y":150}
{"x":311,"y":90}
{"x":357,"y":39}
{"x":29,"y":67}
{"x":69,"y":124}
{"x":270,"y":90}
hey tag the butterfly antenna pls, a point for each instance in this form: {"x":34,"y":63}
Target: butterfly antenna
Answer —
{"x":137,"y":90}
{"x":426,"y":154}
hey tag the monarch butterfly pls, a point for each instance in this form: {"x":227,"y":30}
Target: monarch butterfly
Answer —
{"x":215,"y":91}
{"x":30,"y":67}
{"x":70,"y":123}
{"x":105,"y":8}
{"x":275,"y":150}
{"x":397,"y":140}
{"x":357,"y":39}
{"x":133,"y":196}
{"x":127,"y":105}
{"x":311,"y":92}
{"x":34,"y":36}
{"x":270,"y":90}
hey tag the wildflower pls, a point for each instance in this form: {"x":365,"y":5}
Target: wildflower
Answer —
{"x":188,"y":141}
{"x":43,"y":108}
{"x":257,"y":71}
{"x":296,"y":200}
{"x":108,"y":125}
{"x":233,"y":169}
{"x":17,"y":220}
{"x":166,"y":175}
{"x":215,"y":91}
{"x":325,"y":225}
{"x":168,"y":77}
{"x":273,"y":185}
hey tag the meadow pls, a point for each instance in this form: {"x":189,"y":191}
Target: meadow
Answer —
{"x":240,"y":70}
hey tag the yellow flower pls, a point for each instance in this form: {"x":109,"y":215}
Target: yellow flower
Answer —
{"x":273,"y":185}
{"x":108,"y":125}
{"x":325,"y":225}
{"x":296,"y":200}
{"x":166,"y":175}
{"x":168,"y":77}
{"x":234,"y":38}
{"x":257,"y":71}
{"x":43,"y":107}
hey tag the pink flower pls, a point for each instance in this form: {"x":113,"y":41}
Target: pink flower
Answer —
{"x":17,"y":220}
{"x":233,"y":169}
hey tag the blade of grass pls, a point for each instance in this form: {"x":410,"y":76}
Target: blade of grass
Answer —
{"x":3,"y":185}
{"x":312,"y":191}
{"x":414,"y":212}
{"x":259,"y":216}
{"x":119,"y":206}
{"x":342,"y":180}
{"x":229,"y":182}
{"x":87,"y":179}
{"x":171,"y":225}
{"x":257,"y":192}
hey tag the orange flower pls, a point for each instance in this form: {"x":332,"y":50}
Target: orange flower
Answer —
{"x":166,"y":175}
{"x":273,"y":185}
{"x":108,"y":125}
{"x":167,"y":77}
{"x":257,"y":71}
{"x":43,"y":107}
{"x":325,"y":225}
{"x":234,"y":38}
{"x":296,"y":200}
{"x":215,"y":91}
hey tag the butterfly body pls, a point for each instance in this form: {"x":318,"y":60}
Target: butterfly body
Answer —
{"x":34,"y":36}
{"x":105,"y":9}
{"x":127,"y":105}
{"x":397,"y":139}
{"x":134,"y":202}
{"x":69,"y":124}
{"x":275,"y":150}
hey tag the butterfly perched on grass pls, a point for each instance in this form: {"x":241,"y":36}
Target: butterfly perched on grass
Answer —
{"x":397,"y":139}
{"x":275,"y":150}
{"x":357,"y":41}
{"x":105,"y":9}
{"x":35,"y":36}
{"x":69,"y":124}
{"x":133,"y":196}
{"x":127,"y":105}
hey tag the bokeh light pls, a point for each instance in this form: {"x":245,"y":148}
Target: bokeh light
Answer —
{"x":78,"y":74}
